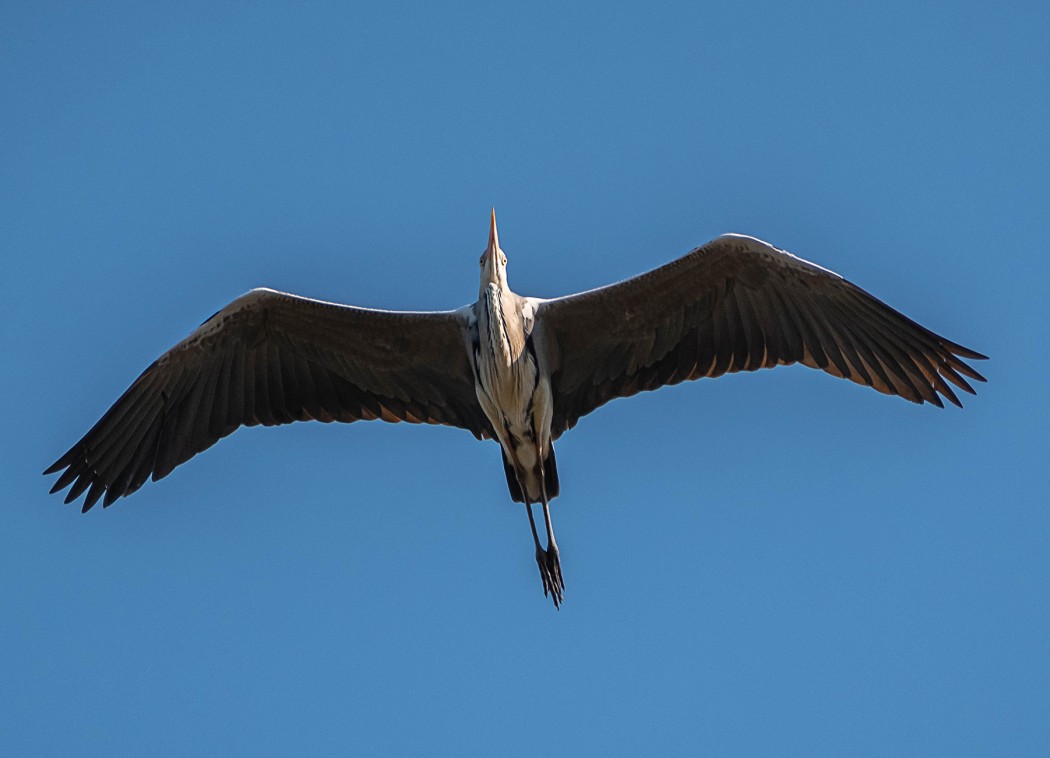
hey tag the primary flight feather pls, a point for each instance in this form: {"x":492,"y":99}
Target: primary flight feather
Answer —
{"x":519,"y":370}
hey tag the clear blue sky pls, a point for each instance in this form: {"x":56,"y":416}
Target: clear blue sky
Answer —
{"x":778,"y":563}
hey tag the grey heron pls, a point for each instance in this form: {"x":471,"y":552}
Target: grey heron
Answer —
{"x":518,"y":370}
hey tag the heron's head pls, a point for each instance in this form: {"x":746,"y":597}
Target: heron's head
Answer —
{"x":493,"y":260}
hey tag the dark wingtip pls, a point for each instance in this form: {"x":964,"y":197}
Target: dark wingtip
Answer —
{"x":111,"y":497}
{"x":93,"y":495}
{"x":969,"y":371}
{"x":67,"y":478}
{"x":965,"y":352}
{"x":64,"y":462}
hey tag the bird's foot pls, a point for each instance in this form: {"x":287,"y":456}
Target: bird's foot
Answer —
{"x":550,"y":571}
{"x":554,"y":569}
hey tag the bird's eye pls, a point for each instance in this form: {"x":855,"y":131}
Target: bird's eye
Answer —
{"x":504,"y":260}
{"x":481,"y":261}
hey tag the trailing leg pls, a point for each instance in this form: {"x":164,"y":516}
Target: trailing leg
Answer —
{"x":550,"y":583}
{"x":553,"y":559}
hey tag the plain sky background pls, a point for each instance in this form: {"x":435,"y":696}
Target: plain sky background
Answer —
{"x":772,"y":564}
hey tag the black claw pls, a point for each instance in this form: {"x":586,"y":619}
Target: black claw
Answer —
{"x":552,"y":577}
{"x":550,"y":573}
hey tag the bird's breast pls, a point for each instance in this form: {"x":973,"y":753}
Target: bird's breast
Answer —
{"x":505,"y":366}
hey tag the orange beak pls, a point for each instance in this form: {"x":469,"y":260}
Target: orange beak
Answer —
{"x":493,"y":249}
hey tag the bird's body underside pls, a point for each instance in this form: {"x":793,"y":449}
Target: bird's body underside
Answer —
{"x":515,"y":369}
{"x":512,"y":381}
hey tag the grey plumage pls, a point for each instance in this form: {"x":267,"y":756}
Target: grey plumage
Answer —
{"x":516,"y":369}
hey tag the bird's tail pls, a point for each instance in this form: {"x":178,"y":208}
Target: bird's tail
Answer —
{"x":550,"y":474}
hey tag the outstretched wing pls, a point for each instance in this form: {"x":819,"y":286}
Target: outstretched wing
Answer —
{"x":737,"y":304}
{"x":272,"y":358}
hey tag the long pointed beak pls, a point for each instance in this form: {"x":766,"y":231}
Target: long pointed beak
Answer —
{"x":493,"y":247}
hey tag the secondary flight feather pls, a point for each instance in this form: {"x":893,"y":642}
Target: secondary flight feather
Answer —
{"x":518,"y":370}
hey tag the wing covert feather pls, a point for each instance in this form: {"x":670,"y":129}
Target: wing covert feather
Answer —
{"x":737,"y":304}
{"x":272,"y":358}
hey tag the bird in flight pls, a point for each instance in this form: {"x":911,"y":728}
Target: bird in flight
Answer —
{"x":518,"y":370}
